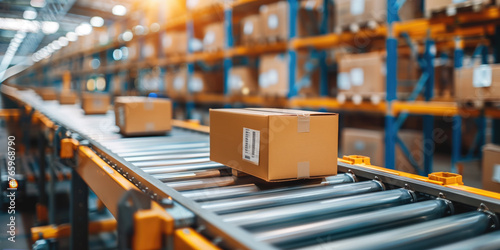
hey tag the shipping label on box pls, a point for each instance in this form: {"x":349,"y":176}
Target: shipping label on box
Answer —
{"x":275,"y":144}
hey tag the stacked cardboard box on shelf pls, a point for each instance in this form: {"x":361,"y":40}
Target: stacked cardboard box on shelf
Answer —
{"x":206,"y":82}
{"x":362,"y":76}
{"x":176,"y":82}
{"x":274,"y":75}
{"x":370,"y":143}
{"x":451,"y":5}
{"x":480,"y":83}
{"x":174,"y":43}
{"x":275,"y":20}
{"x":491,"y":167}
{"x":243,"y":80}
{"x":142,"y":115}
{"x":213,"y":39}
{"x":353,"y":14}
{"x":275,"y":144}
{"x":251,"y":30}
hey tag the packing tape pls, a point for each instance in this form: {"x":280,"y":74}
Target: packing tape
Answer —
{"x":148,"y":105}
{"x":303,"y":121}
{"x":150,"y":126}
{"x":302,"y":170}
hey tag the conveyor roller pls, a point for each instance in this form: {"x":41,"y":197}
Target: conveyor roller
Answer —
{"x":258,"y":201}
{"x":347,"y":226}
{"x":324,"y":209}
{"x":421,"y":236}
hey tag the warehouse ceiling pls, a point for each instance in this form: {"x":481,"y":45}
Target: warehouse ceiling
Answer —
{"x":26,"y":26}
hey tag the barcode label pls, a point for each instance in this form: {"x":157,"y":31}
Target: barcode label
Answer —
{"x":251,"y":145}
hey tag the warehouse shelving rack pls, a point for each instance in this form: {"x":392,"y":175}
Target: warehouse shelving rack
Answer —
{"x":434,"y":31}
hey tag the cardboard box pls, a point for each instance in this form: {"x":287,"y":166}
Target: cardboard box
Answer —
{"x":478,"y":83}
{"x":371,"y":143}
{"x":93,"y":103}
{"x":363,"y":74}
{"x":364,"y":142}
{"x":176,"y":83}
{"x":361,"y":12}
{"x":275,"y":144}
{"x":67,"y":97}
{"x":491,"y":167}
{"x":273,"y":75}
{"x":275,"y":21}
{"x":213,"y":39}
{"x":349,"y":12}
{"x":251,"y":30}
{"x":142,"y":115}
{"x":441,"y":5}
{"x":211,"y":82}
{"x":47,"y":94}
{"x":174,"y":43}
{"x":243,"y":80}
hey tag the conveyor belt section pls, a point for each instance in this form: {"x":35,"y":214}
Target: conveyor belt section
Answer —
{"x":357,"y":209}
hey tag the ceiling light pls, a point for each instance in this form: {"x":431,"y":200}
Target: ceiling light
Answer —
{"x":63,"y":41}
{"x":38,"y":3}
{"x":72,"y":36}
{"x":117,"y":54}
{"x":97,"y":21}
{"x":19,"y":25}
{"x":50,"y":27}
{"x":119,"y":10}
{"x":83,"y":29}
{"x":29,"y":14}
{"x":127,"y":36}
{"x":55,"y":45}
